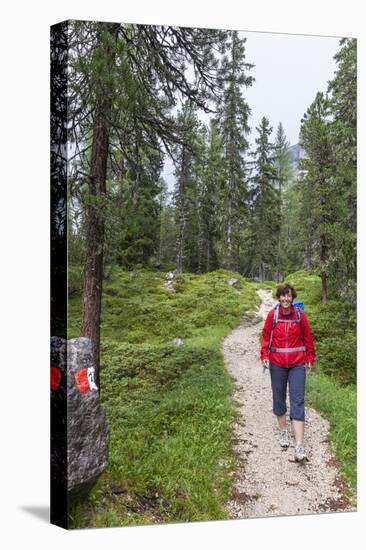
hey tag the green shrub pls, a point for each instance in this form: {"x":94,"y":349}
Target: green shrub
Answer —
{"x":333,"y":326}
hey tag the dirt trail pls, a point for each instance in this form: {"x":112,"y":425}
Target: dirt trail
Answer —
{"x":269,"y":482}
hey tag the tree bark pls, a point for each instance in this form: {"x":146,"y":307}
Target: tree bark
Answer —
{"x":261,"y":272}
{"x":95,"y":218}
{"x":324,"y":288}
{"x":279,"y":254}
{"x":181,"y":214}
{"x":208,"y":254}
{"x":309,"y":262}
{"x":323,"y":256}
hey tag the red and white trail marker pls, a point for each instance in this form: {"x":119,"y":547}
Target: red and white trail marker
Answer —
{"x":55,"y":377}
{"x":85,"y":379}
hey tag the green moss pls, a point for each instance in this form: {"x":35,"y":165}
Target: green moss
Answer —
{"x":137,"y":308}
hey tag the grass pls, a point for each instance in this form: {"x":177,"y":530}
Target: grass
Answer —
{"x":338,"y":404}
{"x":170,"y":414}
{"x":169,"y":408}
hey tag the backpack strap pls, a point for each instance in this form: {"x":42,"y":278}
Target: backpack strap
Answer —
{"x":274,"y":323}
{"x":289,"y":350}
{"x":298,"y":314}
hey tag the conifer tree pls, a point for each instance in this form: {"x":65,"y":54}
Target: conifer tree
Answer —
{"x":320,"y":202}
{"x":124,"y":77}
{"x":209,"y":198}
{"x":282,"y":159}
{"x":200,"y":169}
{"x":162,"y":201}
{"x":103,"y":61}
{"x":133,"y":222}
{"x":233,"y":117}
{"x":284,"y":175}
{"x":293,"y":228}
{"x":342,"y":92}
{"x":186,"y":192}
{"x":326,"y":222}
{"x":265,"y":202}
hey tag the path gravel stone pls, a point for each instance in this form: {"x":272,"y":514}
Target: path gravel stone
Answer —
{"x":269,"y":482}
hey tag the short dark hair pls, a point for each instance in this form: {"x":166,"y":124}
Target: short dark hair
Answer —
{"x":285,"y":288}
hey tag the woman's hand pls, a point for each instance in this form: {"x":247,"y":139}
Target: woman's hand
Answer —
{"x":265,"y":363}
{"x":309,"y":367}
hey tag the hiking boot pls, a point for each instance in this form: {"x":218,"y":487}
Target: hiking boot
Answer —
{"x":284,"y":439}
{"x":300,"y":454}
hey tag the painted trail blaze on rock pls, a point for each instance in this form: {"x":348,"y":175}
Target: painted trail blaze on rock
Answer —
{"x":87,"y":428}
{"x":81,"y":434}
{"x":85,"y":379}
{"x":55,"y":377}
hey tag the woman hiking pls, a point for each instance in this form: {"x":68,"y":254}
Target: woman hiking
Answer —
{"x":288,"y":350}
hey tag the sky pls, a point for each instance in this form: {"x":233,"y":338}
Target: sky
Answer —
{"x":289,"y":70}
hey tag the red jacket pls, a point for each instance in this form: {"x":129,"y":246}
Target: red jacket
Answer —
{"x":288,"y":335}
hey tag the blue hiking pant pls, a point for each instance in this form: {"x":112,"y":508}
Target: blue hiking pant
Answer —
{"x":295,"y":377}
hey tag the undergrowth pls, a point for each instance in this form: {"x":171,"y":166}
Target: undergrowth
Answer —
{"x":169,"y":407}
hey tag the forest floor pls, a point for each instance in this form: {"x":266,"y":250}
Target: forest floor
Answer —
{"x":269,"y":482}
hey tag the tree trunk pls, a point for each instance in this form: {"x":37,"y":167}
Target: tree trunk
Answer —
{"x":181,"y":215}
{"x":201,"y":246}
{"x":309,"y":238}
{"x":324,"y":288}
{"x":323,"y":256}
{"x":228,"y":238}
{"x":208,"y":254}
{"x":160,"y":245}
{"x":261,"y":272}
{"x":279,"y":258}
{"x":95,"y":221}
{"x":93,"y":275}
{"x":309,"y":249}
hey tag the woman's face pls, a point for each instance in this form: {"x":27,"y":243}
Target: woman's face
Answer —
{"x":286,"y":300}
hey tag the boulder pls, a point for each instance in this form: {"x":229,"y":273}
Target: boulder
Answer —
{"x":233,"y":282}
{"x":178,"y":342}
{"x":87,"y":429}
{"x":58,"y":424}
{"x":169,"y":281}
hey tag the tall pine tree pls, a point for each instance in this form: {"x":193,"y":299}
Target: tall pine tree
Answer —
{"x":284,"y":176}
{"x":320,"y":200}
{"x":186,"y":191}
{"x":214,"y":177}
{"x":125,"y":77}
{"x":342,"y":92}
{"x":233,"y":117}
{"x":266,"y":214}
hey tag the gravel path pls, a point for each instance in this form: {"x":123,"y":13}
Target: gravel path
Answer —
{"x":269,"y":482}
